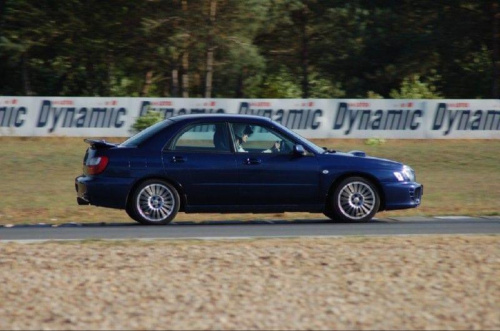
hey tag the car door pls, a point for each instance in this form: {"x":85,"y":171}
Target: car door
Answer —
{"x":269,"y":172}
{"x":202,"y":156}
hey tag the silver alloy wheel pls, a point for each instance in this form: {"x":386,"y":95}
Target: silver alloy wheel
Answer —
{"x":155,"y":202}
{"x":356,"y":200}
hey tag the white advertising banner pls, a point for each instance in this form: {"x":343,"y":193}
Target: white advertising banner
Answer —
{"x":312,"y":118}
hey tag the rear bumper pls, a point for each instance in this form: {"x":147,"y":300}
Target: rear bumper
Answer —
{"x":102,"y":191}
{"x":403,"y":195}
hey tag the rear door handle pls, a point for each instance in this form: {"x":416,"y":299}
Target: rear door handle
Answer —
{"x":178,"y":159}
{"x":251,"y":161}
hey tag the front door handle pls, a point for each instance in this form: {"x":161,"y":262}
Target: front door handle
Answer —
{"x":178,"y":159}
{"x":251,"y":161}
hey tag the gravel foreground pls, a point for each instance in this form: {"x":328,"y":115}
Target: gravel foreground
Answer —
{"x":417,"y":282}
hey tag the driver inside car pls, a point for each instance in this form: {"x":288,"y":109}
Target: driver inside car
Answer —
{"x":242,"y":132}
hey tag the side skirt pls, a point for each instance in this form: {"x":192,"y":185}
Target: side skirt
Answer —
{"x":255,"y":209}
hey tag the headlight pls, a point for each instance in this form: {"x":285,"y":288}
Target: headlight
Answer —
{"x":409,"y":173}
{"x":406,"y":174}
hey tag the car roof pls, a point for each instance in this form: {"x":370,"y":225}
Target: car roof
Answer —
{"x":229,"y":117}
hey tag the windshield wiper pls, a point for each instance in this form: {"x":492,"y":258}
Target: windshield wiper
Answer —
{"x":331,"y":151}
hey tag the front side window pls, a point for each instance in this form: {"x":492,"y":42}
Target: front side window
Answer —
{"x":203,"y":137}
{"x":259,"y":139}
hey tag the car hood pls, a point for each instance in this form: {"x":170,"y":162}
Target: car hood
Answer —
{"x":359,"y":158}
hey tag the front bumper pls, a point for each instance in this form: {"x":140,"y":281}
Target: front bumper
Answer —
{"x":102,"y":191}
{"x":402,"y":195}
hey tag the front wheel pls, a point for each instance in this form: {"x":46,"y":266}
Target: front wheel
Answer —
{"x":154,"y":202}
{"x":355,"y":199}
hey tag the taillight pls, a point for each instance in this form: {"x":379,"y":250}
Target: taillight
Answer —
{"x":96,"y":165}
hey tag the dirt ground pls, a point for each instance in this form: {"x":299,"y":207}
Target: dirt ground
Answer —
{"x":407,"y":282}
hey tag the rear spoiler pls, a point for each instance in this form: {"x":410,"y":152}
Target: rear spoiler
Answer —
{"x":99,"y":144}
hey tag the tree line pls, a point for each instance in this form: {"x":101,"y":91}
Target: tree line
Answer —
{"x":251,"y":48}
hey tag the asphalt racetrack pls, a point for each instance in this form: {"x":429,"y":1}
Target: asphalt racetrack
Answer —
{"x":252,"y":229}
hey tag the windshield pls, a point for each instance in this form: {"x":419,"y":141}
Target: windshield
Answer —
{"x":307,"y":143}
{"x":144,"y":135}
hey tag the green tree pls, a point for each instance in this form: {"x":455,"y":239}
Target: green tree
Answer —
{"x":66,"y":48}
{"x":413,"y":88}
{"x":280,"y":85}
{"x":252,"y":48}
{"x":143,"y":122}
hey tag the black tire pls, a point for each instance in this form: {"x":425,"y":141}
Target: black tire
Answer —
{"x":355,"y":199}
{"x":154,"y":202}
{"x":131,"y":213}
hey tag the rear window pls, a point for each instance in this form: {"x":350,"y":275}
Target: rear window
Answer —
{"x":144,"y":135}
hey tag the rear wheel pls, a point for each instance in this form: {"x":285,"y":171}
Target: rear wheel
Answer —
{"x":154,"y":202}
{"x":355,"y":199}
{"x":131,"y":213}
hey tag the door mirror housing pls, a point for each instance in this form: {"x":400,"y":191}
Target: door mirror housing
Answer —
{"x":299,"y":150}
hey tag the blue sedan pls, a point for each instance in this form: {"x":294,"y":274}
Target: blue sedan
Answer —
{"x":238,"y":164}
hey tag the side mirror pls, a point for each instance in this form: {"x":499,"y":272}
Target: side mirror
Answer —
{"x":299,"y":150}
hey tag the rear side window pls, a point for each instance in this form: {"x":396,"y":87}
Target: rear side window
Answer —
{"x":203,"y":137}
{"x":144,"y":135}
